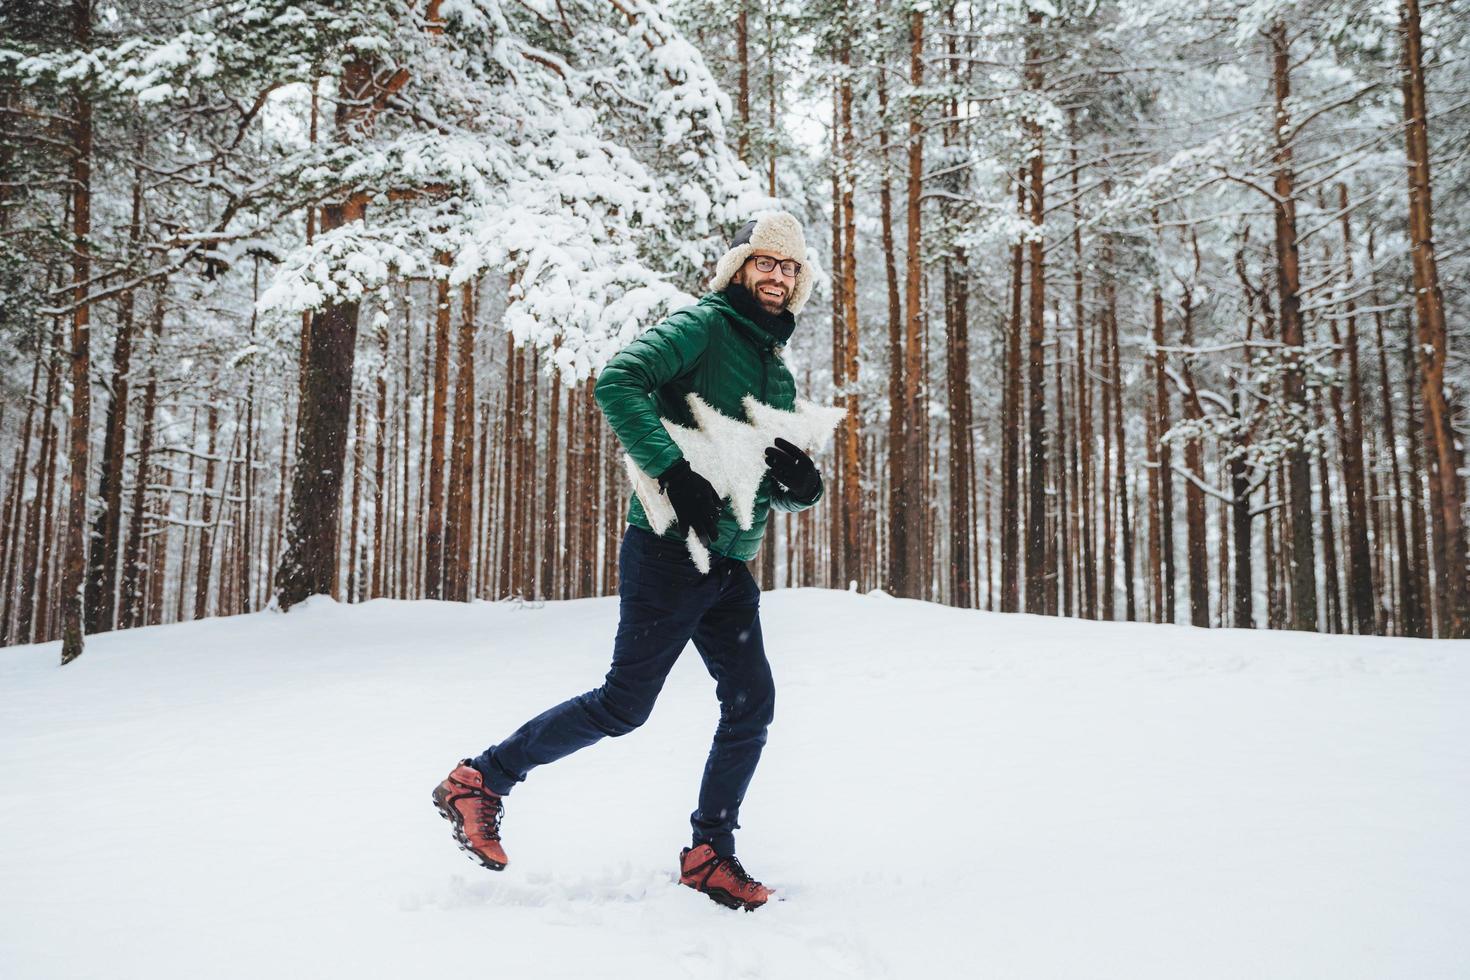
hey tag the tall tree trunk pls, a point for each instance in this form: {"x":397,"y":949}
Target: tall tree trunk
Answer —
{"x":38,"y":575}
{"x":380,"y":472}
{"x":1084,"y":402}
{"x":840,"y":176}
{"x":1240,"y":526}
{"x":461,"y":511}
{"x":1418,"y":533}
{"x":851,"y":559}
{"x":1360,"y":565}
{"x":1010,"y":466}
{"x":549,"y":529}
{"x":1447,"y":487}
{"x":1411,"y":619}
{"x":1165,"y":462}
{"x":1125,"y":524}
{"x":309,"y":566}
{"x":354,"y":524}
{"x":1288,"y":277}
{"x":897,"y":465}
{"x":101,"y":604}
{"x":1332,"y":583}
{"x":131,"y":601}
{"x":908,"y":499}
{"x":1037,"y":570}
{"x":434,"y":534}
{"x":206,"y":527}
{"x":1194,"y":496}
{"x":74,"y":574}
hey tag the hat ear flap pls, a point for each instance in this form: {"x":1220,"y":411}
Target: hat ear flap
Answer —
{"x":805,"y":279}
{"x":729,"y":263}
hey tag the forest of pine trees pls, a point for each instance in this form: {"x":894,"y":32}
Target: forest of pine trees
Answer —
{"x":1139,"y":310}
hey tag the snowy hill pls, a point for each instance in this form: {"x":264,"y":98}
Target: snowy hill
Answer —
{"x":944,"y":794}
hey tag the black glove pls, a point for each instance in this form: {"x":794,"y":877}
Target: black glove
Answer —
{"x":695,"y":502}
{"x":794,"y":470}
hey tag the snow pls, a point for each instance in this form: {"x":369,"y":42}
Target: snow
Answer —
{"x":945,"y":793}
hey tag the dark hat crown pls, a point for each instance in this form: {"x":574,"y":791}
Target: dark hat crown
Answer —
{"x":744,"y":235}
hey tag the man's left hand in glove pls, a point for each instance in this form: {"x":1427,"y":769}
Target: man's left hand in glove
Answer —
{"x":794,"y":470}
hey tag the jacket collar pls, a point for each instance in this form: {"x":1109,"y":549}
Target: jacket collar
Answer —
{"x":768,"y":332}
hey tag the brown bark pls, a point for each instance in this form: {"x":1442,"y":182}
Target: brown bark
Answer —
{"x":131,"y":601}
{"x":908,"y":499}
{"x":1084,"y":405}
{"x":840,"y":176}
{"x":101,"y":603}
{"x":1010,"y":466}
{"x":549,"y":529}
{"x":507,"y":585}
{"x":74,"y":573}
{"x":592,"y":460}
{"x":1164,"y":464}
{"x":380,"y":471}
{"x":1115,"y":372}
{"x":1447,"y":488}
{"x":206,"y":528}
{"x":850,"y":561}
{"x":47,"y":503}
{"x":309,"y":566}
{"x":1331,"y":581}
{"x":1240,"y":526}
{"x":1059,"y":542}
{"x":405,"y":590}
{"x":1410,"y":616}
{"x":961,"y":519}
{"x":525,"y":513}
{"x":434,"y":533}
{"x":1194,"y":497}
{"x":354,"y":524}
{"x":1414,"y":499}
{"x":1350,"y":442}
{"x":1288,"y":277}
{"x":460,"y":515}
{"x":894,"y":554}
{"x":1036,"y":447}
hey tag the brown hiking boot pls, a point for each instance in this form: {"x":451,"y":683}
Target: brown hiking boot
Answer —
{"x":475,"y":811}
{"x":722,"y":879}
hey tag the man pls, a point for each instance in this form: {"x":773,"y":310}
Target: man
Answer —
{"x":723,"y":348}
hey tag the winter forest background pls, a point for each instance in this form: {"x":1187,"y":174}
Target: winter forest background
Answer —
{"x":1141,"y":310}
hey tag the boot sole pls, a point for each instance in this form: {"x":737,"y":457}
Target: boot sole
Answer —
{"x":722,"y":897}
{"x":448,"y":813}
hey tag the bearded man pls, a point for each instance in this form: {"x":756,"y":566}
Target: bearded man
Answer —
{"x":723,"y":348}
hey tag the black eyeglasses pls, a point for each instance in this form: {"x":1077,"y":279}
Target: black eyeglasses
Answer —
{"x":765,"y":263}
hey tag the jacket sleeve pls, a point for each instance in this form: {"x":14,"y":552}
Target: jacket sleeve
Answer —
{"x":781,"y":498}
{"x":625,"y":387}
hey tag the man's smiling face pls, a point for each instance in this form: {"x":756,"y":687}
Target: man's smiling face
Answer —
{"x":771,"y":289}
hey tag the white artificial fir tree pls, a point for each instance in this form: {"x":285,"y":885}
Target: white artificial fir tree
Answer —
{"x":730,"y":454}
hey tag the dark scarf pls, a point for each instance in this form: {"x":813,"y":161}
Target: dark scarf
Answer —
{"x":779,"y":325}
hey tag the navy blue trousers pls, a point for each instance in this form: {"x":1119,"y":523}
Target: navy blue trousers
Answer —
{"x":665,"y":603}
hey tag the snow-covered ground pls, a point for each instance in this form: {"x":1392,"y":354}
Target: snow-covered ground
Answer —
{"x":944,"y":794}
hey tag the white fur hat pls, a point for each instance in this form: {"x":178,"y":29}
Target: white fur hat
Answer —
{"x":776,"y":232}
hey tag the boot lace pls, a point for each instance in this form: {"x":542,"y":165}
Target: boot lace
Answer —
{"x":490,"y":810}
{"x":738,"y":872}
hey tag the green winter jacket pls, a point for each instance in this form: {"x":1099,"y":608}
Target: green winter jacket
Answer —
{"x":716,"y":352}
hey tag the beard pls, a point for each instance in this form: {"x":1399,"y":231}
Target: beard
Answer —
{"x":757,"y":285}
